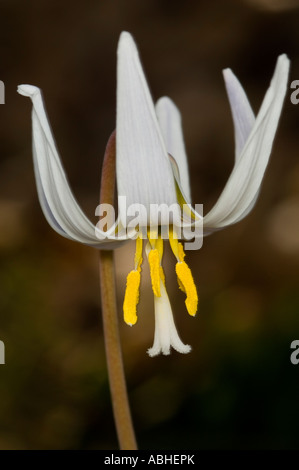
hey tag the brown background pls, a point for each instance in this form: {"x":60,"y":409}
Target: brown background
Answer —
{"x":238,"y":388}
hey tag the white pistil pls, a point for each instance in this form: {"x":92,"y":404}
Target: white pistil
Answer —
{"x":166,"y":334}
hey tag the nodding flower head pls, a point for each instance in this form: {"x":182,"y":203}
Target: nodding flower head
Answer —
{"x":152,"y":170}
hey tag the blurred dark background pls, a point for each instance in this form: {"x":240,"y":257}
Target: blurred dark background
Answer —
{"x":238,"y":388}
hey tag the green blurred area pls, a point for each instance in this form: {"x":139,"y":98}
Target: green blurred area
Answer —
{"x":237,"y":389}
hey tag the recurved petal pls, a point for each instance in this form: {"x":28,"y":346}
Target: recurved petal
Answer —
{"x":170,"y":123}
{"x":44,"y":204}
{"x":243,"y":119}
{"x":242,"y":187}
{"x":242,"y":113}
{"x":144,"y":173}
{"x":57,"y":201}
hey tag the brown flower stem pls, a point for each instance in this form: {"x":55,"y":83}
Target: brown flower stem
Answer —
{"x":118,"y":389}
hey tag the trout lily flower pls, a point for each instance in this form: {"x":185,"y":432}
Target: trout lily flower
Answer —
{"x":152,"y":169}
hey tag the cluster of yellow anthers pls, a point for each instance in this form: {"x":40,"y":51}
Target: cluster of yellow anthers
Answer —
{"x":154,"y":251}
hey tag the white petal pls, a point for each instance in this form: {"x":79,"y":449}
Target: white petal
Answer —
{"x":242,"y":187}
{"x":242,"y":113}
{"x":44,"y":204}
{"x":166,"y":334}
{"x":243,"y":118}
{"x":170,"y":123}
{"x":144,"y":173}
{"x":57,"y":201}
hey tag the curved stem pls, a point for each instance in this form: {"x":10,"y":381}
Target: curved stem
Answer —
{"x":120,"y":403}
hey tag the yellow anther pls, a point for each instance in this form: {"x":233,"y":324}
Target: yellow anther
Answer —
{"x":186,"y":282}
{"x":181,"y":286}
{"x":154,"y":262}
{"x":131,"y":297}
{"x":132,"y":289}
{"x":138,"y":254}
{"x":185,"y":279}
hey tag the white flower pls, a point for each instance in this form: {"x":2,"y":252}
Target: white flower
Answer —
{"x":151,"y":168}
